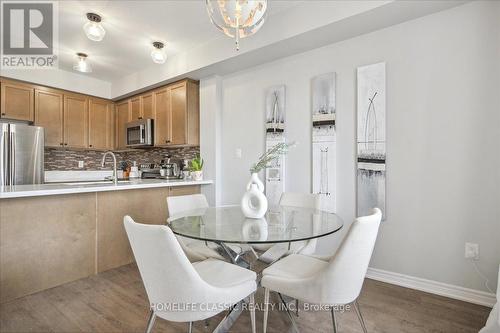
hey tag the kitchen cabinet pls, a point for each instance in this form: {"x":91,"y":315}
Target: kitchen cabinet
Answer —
{"x":141,"y":107}
{"x":17,"y":101}
{"x":147,"y":106}
{"x":49,"y":115}
{"x":122,"y":118}
{"x":76,"y":121}
{"x":101,"y":126}
{"x":135,"y":108}
{"x":177,"y":114}
{"x":162,"y":117}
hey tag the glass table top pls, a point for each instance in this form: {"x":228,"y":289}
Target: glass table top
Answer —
{"x":280,"y":224}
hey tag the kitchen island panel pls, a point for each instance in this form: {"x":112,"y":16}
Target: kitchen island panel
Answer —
{"x":45,"y":242}
{"x":148,"y":206}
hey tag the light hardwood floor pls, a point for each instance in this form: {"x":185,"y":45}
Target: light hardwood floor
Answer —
{"x":115,"y":301}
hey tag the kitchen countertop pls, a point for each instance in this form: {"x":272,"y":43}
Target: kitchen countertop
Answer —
{"x":19,"y":191}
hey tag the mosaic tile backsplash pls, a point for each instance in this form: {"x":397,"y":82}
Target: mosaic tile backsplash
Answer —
{"x":67,"y":159}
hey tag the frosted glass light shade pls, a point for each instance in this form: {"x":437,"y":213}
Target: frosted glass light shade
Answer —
{"x":93,"y":28}
{"x":82,"y":65}
{"x":158,"y":54}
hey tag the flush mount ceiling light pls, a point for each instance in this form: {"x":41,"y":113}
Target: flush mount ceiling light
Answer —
{"x":237,"y":18}
{"x":82,"y":64}
{"x":158,"y":54}
{"x":93,"y":28}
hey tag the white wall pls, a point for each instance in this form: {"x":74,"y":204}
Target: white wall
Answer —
{"x":443,"y":135}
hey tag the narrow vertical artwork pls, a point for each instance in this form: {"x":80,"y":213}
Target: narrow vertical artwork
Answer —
{"x":371,"y":140}
{"x":324,"y":140}
{"x":275,"y":133}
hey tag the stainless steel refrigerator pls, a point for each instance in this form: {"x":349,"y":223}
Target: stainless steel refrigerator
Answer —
{"x":21,"y":154}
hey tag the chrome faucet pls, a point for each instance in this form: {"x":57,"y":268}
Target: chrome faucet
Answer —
{"x":115,"y":177}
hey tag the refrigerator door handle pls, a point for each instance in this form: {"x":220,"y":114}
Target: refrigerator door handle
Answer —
{"x":4,"y":153}
{"x":12,"y":158}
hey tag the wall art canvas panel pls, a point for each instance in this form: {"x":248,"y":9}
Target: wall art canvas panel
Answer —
{"x":371,"y":140}
{"x":275,"y":133}
{"x":324,"y":139}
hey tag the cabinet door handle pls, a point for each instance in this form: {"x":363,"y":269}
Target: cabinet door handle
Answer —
{"x":61,"y":144}
{"x":90,"y":145}
{"x":139,"y":118}
{"x":65,"y":144}
{"x":167,"y":141}
{"x":3,"y":113}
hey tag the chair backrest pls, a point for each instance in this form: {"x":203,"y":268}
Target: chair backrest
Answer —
{"x":344,"y":276}
{"x":167,"y":274}
{"x":182,"y":203}
{"x":306,"y":200}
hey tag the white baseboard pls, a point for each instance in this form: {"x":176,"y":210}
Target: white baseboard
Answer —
{"x":433,"y":287}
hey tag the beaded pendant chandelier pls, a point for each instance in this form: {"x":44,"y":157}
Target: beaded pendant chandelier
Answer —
{"x":237,"y":18}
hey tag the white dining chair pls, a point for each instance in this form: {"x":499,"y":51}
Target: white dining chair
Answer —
{"x":276,"y":251}
{"x":334,"y":282}
{"x":179,"y":290}
{"x":195,"y":250}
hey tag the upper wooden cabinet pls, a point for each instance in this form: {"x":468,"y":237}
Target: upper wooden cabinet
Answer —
{"x":141,"y":107}
{"x":76,"y":121}
{"x":101,"y":124}
{"x":162,"y":114}
{"x":135,"y":108}
{"x":122,"y":118}
{"x":147,"y":106}
{"x":177,"y":119}
{"x":17,"y":100}
{"x":49,"y":115}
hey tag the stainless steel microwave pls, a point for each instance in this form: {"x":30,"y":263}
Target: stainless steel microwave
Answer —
{"x":140,"y":133}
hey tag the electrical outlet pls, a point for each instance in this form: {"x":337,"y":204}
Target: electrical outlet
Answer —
{"x":472,"y":251}
{"x":239,"y":152}
{"x":80,"y":164}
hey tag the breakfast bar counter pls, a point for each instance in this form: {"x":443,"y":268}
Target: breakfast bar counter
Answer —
{"x":71,"y":187}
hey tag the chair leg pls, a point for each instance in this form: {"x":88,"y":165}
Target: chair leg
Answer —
{"x":151,"y":321}
{"x":266,"y":308}
{"x":360,"y":316}
{"x":190,"y":329}
{"x":297,"y":307}
{"x":252,"y":311}
{"x":294,"y":324}
{"x":334,"y":321}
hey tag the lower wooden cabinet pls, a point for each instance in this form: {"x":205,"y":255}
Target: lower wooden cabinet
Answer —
{"x":17,"y":100}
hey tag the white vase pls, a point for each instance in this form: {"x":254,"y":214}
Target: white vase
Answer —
{"x":254,"y":203}
{"x":197,"y":175}
{"x":254,"y":179}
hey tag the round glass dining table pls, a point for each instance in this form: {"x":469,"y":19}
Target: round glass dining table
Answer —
{"x":226,"y":226}
{"x":283,"y":224}
{"x":280,"y":225}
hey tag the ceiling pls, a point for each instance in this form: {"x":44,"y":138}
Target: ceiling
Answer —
{"x":131,"y":27}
